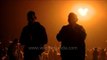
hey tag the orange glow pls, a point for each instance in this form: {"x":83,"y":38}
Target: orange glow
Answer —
{"x":83,"y":11}
{"x":53,"y":15}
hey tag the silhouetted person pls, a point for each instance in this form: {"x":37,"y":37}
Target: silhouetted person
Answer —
{"x":103,"y":54}
{"x":95,"y":54}
{"x":72,"y":37}
{"x":12,"y":50}
{"x":33,"y":38}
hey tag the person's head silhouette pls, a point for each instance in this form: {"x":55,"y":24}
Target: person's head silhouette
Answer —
{"x":31,"y":17}
{"x":95,"y":49}
{"x":72,"y":18}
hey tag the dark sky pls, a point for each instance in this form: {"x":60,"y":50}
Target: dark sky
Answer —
{"x":53,"y":15}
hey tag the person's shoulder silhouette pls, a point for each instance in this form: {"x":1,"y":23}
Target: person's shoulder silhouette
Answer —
{"x":34,"y":31}
{"x":72,"y":32}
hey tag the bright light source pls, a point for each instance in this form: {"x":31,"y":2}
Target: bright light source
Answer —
{"x":83,"y":11}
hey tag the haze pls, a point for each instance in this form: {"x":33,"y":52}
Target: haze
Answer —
{"x":53,"y":15}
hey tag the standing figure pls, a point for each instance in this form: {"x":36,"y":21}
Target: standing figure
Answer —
{"x":72,"y":38}
{"x":33,"y":38}
{"x":95,"y":54}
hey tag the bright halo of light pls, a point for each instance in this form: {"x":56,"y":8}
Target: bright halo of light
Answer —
{"x":83,"y":11}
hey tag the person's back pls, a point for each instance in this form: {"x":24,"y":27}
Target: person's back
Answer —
{"x":33,"y":37}
{"x":72,"y":38}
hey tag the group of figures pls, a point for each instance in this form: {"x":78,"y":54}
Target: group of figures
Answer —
{"x":53,"y":53}
{"x":96,"y":54}
{"x":34,"y":37}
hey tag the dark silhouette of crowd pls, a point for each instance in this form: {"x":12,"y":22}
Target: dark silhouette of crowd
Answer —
{"x":96,"y":54}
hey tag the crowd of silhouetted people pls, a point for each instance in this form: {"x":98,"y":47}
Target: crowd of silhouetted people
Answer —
{"x":50,"y":53}
{"x":96,"y":54}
